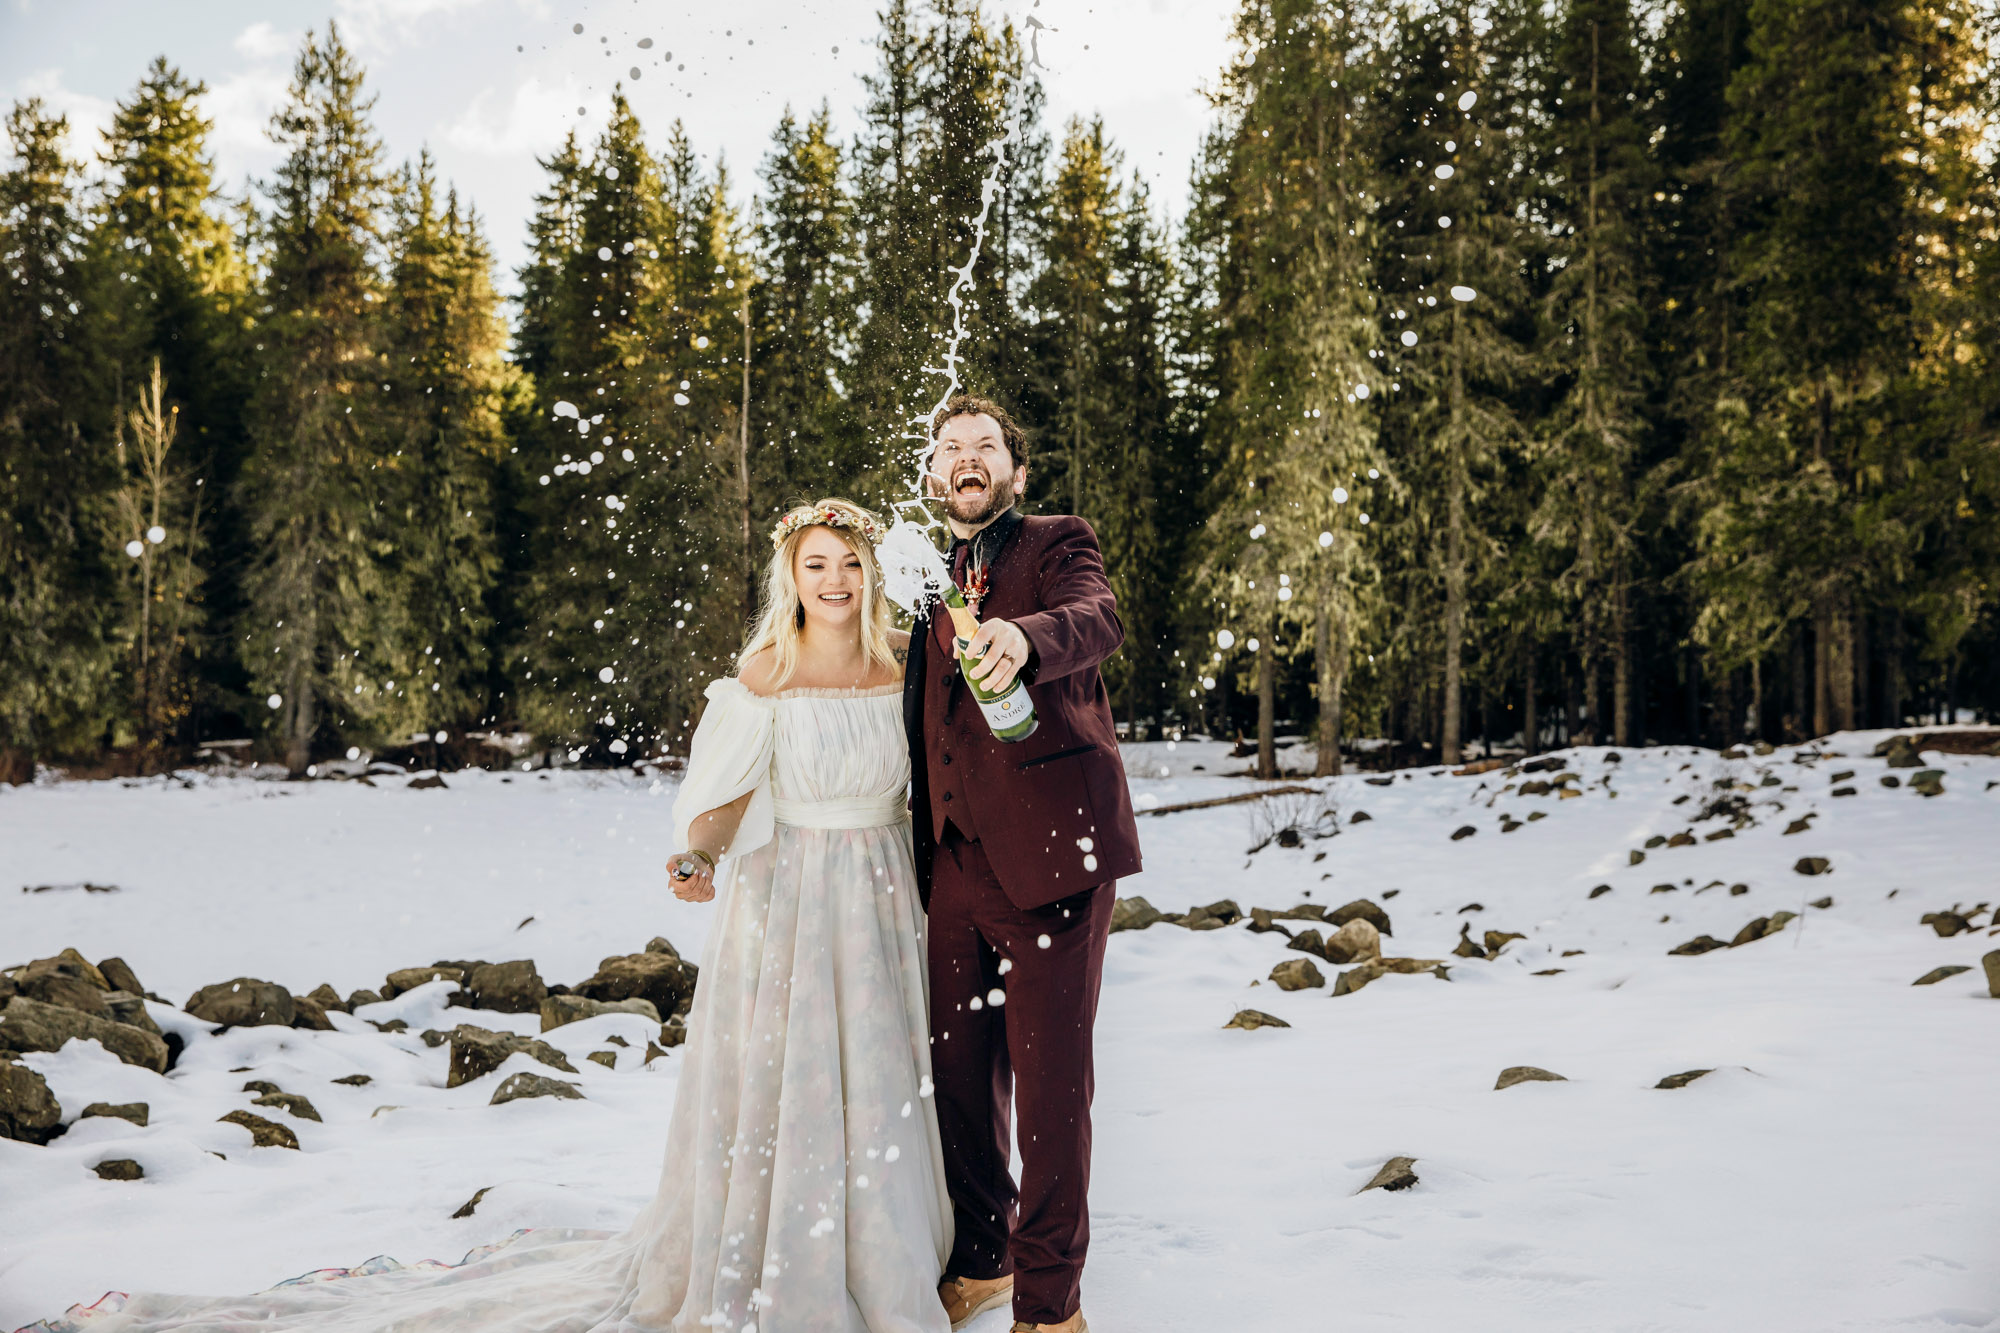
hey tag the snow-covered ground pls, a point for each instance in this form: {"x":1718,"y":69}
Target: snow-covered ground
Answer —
{"x":1840,"y":1169}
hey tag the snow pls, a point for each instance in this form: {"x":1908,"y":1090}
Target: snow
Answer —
{"x":1837,"y":1171}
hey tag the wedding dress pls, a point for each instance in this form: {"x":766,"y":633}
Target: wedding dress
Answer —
{"x":803,"y":1189}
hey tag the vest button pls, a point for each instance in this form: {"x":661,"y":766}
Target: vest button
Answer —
{"x":947,"y":797}
{"x":947,"y":761}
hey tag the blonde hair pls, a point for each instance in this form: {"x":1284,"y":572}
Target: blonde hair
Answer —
{"x":783,"y":613}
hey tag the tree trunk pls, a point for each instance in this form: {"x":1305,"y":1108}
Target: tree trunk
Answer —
{"x":1531,"y":723}
{"x":1330,"y":650}
{"x":743,"y":478}
{"x":1621,"y":669}
{"x":1572,"y":695}
{"x":1822,"y":713}
{"x":1801,"y":716}
{"x":1892,"y":671}
{"x":1267,"y":704}
{"x":1861,"y":655}
{"x":1691,"y":658}
{"x":1756,"y":698}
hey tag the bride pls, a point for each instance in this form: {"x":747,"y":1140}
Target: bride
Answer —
{"x":803,"y":1189}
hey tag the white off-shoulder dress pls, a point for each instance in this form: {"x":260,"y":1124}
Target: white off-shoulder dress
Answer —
{"x":803,"y":1189}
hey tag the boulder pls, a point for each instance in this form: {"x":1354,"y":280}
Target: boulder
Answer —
{"x":1466,"y":946}
{"x":667,"y":981}
{"x":1496,"y":940}
{"x":661,"y":944}
{"x":1699,"y":944}
{"x":1812,"y":865}
{"x":1683,"y":1079}
{"x":119,"y":1168}
{"x":560,"y":1009}
{"x":1599,"y":891}
{"x":1297,"y":974}
{"x":1901,"y":752}
{"x":355,"y":999}
{"x":465,"y":1209}
{"x":1681,"y":840}
{"x":1398,"y":1173}
{"x":130,"y":1009}
{"x":243,"y":1003}
{"x":263,"y":1133}
{"x":1930,"y":782}
{"x":356,"y":1080}
{"x":306,"y":1013}
{"x":120,"y":976}
{"x":1308,"y":941}
{"x":289,"y":1101}
{"x":327,"y":998}
{"x":409,"y":978}
{"x":1133,"y":913}
{"x":515,"y":987}
{"x":476,"y":1052}
{"x":653,"y":1052}
{"x":1261,"y":923}
{"x":261,"y":1087}
{"x":1513,"y":1074}
{"x":29,"y":1112}
{"x":517,"y":1086}
{"x":136,"y":1112}
{"x":1251,"y":1019}
{"x":1354,"y":978}
{"x":29,"y":1025}
{"x":1738,"y":890}
{"x":1991,"y":962}
{"x":70,"y":992}
{"x":1360,"y":909}
{"x":1355,"y":942}
{"x":1937,"y":974}
{"x":1634,"y":857}
{"x":1463,"y":831}
{"x":609,"y":1059}
{"x":68,"y":963}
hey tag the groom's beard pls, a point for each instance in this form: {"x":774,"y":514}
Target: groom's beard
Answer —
{"x":976,"y":507}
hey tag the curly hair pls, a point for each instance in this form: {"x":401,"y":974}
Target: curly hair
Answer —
{"x":971,"y":405}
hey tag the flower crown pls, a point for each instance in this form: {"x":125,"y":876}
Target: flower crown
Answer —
{"x":827,"y":516}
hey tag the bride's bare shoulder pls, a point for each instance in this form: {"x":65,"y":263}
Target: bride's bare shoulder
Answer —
{"x":759,"y":672}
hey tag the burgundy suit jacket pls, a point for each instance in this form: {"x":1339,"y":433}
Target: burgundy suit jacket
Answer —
{"x":1041,"y":806}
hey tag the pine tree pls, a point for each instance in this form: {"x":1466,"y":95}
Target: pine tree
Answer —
{"x":318,"y":586}
{"x":56,"y":581}
{"x":441,"y":337}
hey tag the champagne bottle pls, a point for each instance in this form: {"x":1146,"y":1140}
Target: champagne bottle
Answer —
{"x":1010,"y":712}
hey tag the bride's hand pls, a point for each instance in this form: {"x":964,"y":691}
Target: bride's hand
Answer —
{"x":692,"y":879}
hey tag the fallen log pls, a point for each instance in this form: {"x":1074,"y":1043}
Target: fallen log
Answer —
{"x":1237,"y":799}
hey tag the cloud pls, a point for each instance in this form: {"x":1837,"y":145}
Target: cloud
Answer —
{"x":534,"y":119}
{"x":381,"y":25}
{"x":88,"y":116}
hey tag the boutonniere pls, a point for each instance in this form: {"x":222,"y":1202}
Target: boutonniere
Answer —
{"x":974,"y":588}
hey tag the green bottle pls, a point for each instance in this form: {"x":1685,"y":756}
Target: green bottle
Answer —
{"x":1011,"y":713}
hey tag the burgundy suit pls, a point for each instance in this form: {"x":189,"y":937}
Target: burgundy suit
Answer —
{"x":1017,"y":848}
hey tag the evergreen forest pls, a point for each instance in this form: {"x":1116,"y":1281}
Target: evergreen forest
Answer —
{"x":1521,"y":373}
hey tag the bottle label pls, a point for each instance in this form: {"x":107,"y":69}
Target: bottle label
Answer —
{"x":1010,"y":710}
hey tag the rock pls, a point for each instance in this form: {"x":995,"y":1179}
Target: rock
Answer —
{"x":1360,"y":817}
{"x":476,"y":1052}
{"x":1991,"y":962}
{"x":1251,"y":1019}
{"x":517,"y":1086}
{"x":118,"y":975}
{"x":29,"y":1112}
{"x":130,"y":1009}
{"x":119,"y":1168}
{"x":465,"y":1209}
{"x":261,"y":1087}
{"x":1197,"y":918}
{"x":1600,"y":891}
{"x":1496,"y":940}
{"x":289,"y":1101}
{"x":1699,"y":944}
{"x":1133,"y":913}
{"x":1463,"y":831}
{"x":661,"y":944}
{"x":1354,"y":978}
{"x":409,"y":978}
{"x":1360,"y":909}
{"x":674,"y":1032}
{"x":1549,"y":972}
{"x":1722,"y":833}
{"x":515,"y":987}
{"x":1752,"y":931}
{"x":1813,"y":865}
{"x":1901,"y":752}
{"x":70,"y":992}
{"x":1398,"y":1173}
{"x":1890,"y":780}
{"x":1410,"y":966}
{"x":1308,"y":941}
{"x":428,"y":782}
{"x":1681,"y":840}
{"x":653,"y":1052}
{"x":29,"y":1025}
{"x":1738,"y":890}
{"x":1513,"y":1074}
{"x":1260,"y":922}
{"x":244,"y":1002}
{"x":1930,"y":782}
{"x":1356,"y":942}
{"x":1223,"y":910}
{"x":666,"y":981}
{"x":1665,"y":888}
{"x":609,"y":1059}
{"x":560,"y":1009}
{"x":356,"y":1080}
{"x":263,"y":1133}
{"x":1822,"y":903}
{"x":306,"y":1013}
{"x":1535,"y":788}
{"x":1472,"y":907}
{"x":1634,"y":857}
{"x":136,"y":1112}
{"x":68,"y":963}
{"x":1465,"y":947}
{"x":1657,"y":840}
{"x":355,"y":999}
{"x":1682,"y":1080}
{"x":1297,"y":974}
{"x":327,"y":998}
{"x":1803,"y":824}
{"x":1930,"y":978}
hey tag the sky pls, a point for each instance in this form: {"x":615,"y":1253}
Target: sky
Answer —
{"x":489,"y":85}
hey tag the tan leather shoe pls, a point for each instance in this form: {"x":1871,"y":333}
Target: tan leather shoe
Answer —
{"x":1076,"y":1323}
{"x":966,"y":1298}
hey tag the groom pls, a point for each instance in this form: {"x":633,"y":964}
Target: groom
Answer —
{"x":1017,"y":848}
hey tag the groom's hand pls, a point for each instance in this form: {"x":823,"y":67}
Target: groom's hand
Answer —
{"x":999,"y":651}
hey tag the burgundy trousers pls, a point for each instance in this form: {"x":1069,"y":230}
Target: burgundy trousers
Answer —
{"x":1013,"y":1005}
